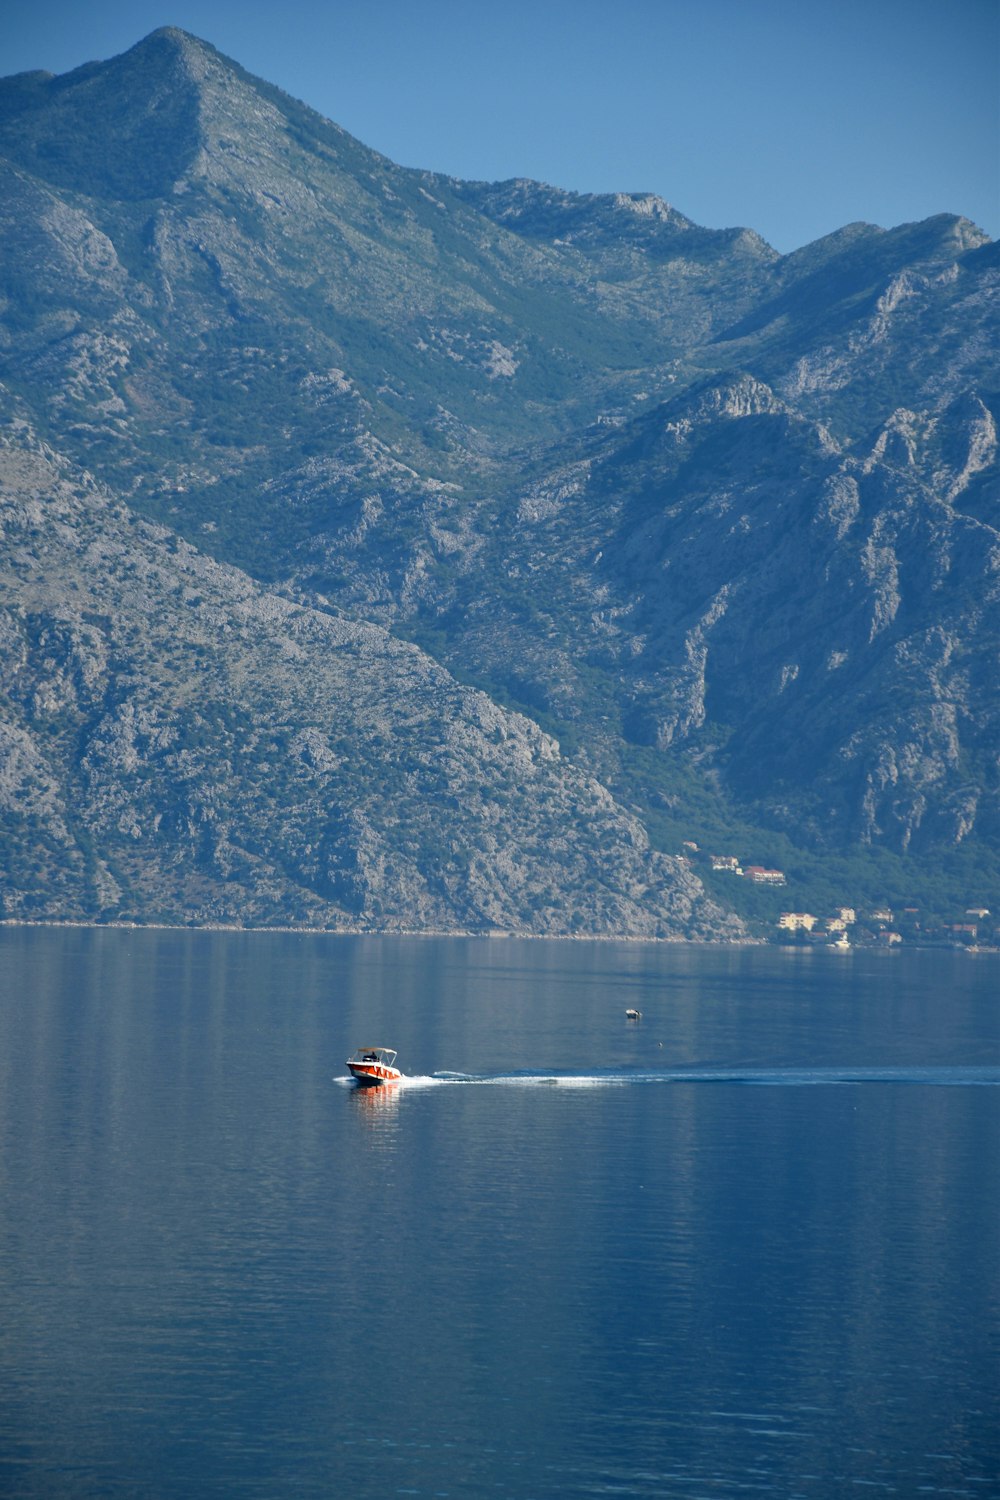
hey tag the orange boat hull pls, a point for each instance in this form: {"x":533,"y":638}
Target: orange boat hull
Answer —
{"x":368,"y":1074}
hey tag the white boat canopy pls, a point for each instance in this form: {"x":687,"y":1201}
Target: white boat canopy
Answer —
{"x":384,"y":1055}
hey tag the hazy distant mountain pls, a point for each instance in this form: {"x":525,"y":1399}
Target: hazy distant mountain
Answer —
{"x":724,"y":523}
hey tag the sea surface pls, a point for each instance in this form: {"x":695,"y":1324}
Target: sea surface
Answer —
{"x":747,"y":1245}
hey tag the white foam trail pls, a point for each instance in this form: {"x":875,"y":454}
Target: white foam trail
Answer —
{"x":754,"y":1077}
{"x":559,"y":1080}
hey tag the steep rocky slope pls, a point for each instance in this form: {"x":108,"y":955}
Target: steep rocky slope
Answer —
{"x":176,"y":742}
{"x":822,"y":624}
{"x":723,"y":523}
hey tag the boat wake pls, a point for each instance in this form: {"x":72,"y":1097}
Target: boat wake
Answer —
{"x":939,"y":1077}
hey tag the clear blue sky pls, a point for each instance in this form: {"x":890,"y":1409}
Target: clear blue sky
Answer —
{"x":792,"y":118}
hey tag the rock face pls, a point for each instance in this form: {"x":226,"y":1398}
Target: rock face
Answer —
{"x":834,"y":605}
{"x":385,"y":550}
{"x":179,"y":743}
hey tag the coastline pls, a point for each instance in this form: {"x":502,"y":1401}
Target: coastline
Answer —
{"x":389,"y":932}
{"x":973,"y":949}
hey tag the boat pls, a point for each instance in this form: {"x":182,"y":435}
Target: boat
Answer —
{"x":633,"y":1015}
{"x":374,"y":1065}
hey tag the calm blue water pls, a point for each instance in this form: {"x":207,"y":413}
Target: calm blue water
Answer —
{"x":748,"y":1246}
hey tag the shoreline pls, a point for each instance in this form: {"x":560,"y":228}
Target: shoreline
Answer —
{"x":974,"y":949}
{"x":389,"y":932}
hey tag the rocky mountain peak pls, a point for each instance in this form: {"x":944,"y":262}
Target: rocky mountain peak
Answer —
{"x":650,"y":206}
{"x":599,"y":222}
{"x":126,"y":129}
{"x":682,"y":535}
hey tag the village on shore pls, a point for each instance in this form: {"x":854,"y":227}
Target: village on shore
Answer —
{"x":975,"y":928}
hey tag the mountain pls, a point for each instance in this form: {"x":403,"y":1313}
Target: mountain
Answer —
{"x":388,"y":550}
{"x":180,"y":744}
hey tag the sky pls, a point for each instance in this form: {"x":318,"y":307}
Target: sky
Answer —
{"x":790,"y":118}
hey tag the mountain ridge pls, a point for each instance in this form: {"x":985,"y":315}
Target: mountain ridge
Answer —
{"x":625,"y":476}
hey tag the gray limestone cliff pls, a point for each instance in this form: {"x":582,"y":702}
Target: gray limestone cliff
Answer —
{"x":177,"y":743}
{"x":382,"y":549}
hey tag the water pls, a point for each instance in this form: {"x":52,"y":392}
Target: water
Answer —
{"x":747,"y":1246}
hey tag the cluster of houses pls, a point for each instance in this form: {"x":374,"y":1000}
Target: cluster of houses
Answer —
{"x":757,"y":874}
{"x":844,"y":928}
{"x":886,"y":929}
{"x":834,"y":931}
